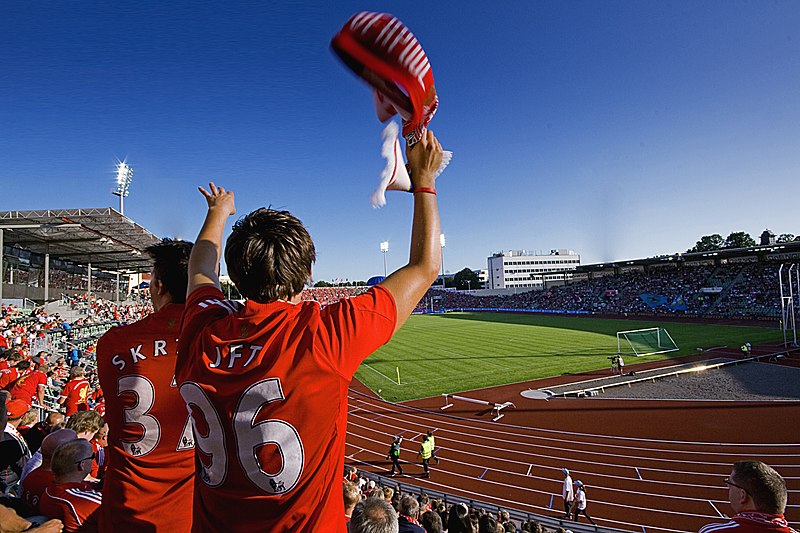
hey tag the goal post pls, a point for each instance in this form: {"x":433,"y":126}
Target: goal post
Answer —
{"x":647,"y":341}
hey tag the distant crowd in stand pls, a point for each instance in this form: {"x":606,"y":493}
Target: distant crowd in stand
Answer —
{"x":374,"y":508}
{"x":733,"y":290}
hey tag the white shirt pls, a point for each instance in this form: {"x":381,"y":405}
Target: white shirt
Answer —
{"x":566,"y":491}
{"x":581,"y":497}
{"x":33,"y":463}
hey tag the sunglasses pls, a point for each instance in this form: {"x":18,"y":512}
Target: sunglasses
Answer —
{"x":86,"y":459}
{"x":730,"y":483}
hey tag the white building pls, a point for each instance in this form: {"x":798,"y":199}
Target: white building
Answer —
{"x":520,"y":268}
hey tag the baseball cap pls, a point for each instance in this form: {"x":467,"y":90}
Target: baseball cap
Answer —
{"x":381,"y":50}
{"x":566,"y":472}
{"x":579,"y":483}
{"x":17,"y":408}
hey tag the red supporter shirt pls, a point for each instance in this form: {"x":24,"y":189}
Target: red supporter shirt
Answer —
{"x":267,"y":386}
{"x":8,"y":376}
{"x":75,"y":504}
{"x":27,"y":387}
{"x":75,"y":391}
{"x":751,"y":522}
{"x":149,"y":478}
{"x":99,"y":462}
{"x":34,"y":484}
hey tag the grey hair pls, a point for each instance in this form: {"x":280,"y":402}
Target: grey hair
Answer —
{"x":374,"y":515}
{"x":409,"y":506}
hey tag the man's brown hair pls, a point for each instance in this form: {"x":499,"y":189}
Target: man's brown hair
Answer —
{"x":351,"y":495}
{"x":85,"y":421}
{"x":763,"y":484}
{"x":269,"y":255}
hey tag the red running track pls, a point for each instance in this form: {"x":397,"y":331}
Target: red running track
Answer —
{"x":656,"y":465}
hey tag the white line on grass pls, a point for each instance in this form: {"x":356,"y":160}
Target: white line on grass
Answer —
{"x":387,"y":378}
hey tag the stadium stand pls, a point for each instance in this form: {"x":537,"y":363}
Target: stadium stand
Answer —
{"x":730,"y":291}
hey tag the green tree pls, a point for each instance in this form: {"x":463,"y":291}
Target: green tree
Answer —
{"x":466,"y":279}
{"x":739,"y":239}
{"x":708,"y":243}
{"x":785,"y":237}
{"x":322,"y":283}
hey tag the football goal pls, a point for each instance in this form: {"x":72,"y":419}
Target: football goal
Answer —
{"x":646,"y":341}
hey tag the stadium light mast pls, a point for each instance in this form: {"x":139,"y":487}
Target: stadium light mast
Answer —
{"x":442,"y":242}
{"x":384,"y":251}
{"x":124,"y":179}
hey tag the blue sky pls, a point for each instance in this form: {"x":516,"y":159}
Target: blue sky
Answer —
{"x":617,"y":129}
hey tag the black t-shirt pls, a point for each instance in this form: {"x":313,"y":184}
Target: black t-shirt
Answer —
{"x":12,"y":453}
{"x":35,"y":436}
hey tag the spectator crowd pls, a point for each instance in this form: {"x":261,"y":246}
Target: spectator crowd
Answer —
{"x":53,"y":446}
{"x":729,"y":291}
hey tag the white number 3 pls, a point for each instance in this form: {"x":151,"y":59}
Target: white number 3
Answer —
{"x":250,"y":437}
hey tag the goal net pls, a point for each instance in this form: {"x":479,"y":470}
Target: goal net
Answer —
{"x":646,"y":341}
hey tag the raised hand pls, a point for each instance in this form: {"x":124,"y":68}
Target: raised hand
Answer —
{"x":219,"y":198}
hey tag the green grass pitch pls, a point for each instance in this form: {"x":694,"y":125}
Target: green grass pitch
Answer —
{"x":458,"y":352}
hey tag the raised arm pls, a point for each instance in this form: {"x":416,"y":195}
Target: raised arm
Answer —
{"x":409,"y":284}
{"x":207,"y":250}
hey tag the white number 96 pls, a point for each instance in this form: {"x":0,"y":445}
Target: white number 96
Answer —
{"x":250,"y":436}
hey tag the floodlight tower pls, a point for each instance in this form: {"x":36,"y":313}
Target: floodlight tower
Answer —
{"x":384,"y":251}
{"x":124,"y":178}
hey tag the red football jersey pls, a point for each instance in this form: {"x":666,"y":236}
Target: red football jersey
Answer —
{"x":34,"y":485}
{"x":75,"y":391}
{"x":99,"y":462}
{"x":8,"y":377}
{"x":75,"y":504}
{"x":267,"y":387}
{"x":149,"y":478}
{"x":26,"y":388}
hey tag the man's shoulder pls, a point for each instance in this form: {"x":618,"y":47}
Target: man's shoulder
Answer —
{"x":407,"y":526}
{"x":724,"y":526}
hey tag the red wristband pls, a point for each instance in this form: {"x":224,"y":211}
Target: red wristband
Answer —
{"x":428,"y":190}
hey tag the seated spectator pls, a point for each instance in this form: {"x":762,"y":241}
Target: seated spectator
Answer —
{"x":487,"y":524}
{"x":86,"y":424}
{"x":36,"y":480}
{"x":431,"y":521}
{"x":99,"y":443}
{"x":351,"y":498}
{"x":458,"y":520}
{"x":39,"y":431}
{"x":14,"y":452}
{"x":757,"y":494}
{"x":408,"y":513}
{"x":374,"y":515}
{"x":9,"y":376}
{"x":71,"y":499}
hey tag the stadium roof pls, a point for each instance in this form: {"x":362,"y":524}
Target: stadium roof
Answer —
{"x":101,"y":236}
{"x":777,"y":250}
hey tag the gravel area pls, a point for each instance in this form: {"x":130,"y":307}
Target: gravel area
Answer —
{"x":749,"y":381}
